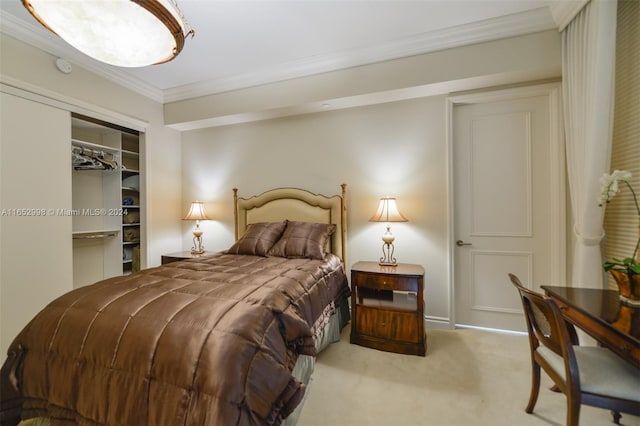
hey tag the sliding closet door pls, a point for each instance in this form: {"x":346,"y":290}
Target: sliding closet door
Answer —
{"x":35,"y":182}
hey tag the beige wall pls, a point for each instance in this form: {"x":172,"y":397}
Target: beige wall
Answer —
{"x":394,"y":148}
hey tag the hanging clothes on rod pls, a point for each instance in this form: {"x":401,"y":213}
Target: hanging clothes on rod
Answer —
{"x":88,"y":159}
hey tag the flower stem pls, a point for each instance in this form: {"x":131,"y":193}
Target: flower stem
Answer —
{"x":635,"y":201}
{"x":635,"y":198}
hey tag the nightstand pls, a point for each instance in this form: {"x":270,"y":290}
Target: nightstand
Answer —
{"x":387,"y":307}
{"x":176,"y":257}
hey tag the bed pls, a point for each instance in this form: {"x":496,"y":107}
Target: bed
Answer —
{"x":224,"y":339}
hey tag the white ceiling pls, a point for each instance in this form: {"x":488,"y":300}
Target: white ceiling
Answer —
{"x":241,"y":43}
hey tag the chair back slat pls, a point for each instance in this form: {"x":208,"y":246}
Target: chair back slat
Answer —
{"x":543,"y":323}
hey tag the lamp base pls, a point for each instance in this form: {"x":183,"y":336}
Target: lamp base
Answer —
{"x":198,"y":247}
{"x":387,"y":259}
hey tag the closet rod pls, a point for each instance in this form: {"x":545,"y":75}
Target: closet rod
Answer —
{"x":89,"y":151}
{"x":94,"y":235}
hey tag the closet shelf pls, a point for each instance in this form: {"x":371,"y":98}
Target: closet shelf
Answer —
{"x":130,"y":188}
{"x":87,"y":235}
{"x":94,"y":146}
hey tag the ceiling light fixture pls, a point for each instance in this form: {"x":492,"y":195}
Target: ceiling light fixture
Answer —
{"x":125,"y":33}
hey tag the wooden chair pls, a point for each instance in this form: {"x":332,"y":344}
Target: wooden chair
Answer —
{"x":585,"y":374}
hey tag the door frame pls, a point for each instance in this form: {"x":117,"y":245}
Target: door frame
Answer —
{"x":557,"y":186}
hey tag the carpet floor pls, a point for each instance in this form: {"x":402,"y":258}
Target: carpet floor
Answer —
{"x":469,"y":377}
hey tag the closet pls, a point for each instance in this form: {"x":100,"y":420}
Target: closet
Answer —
{"x":106,"y":200}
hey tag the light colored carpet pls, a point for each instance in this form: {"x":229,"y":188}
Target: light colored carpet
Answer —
{"x":469,"y":377}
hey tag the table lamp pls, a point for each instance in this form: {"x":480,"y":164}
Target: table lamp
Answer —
{"x":388,"y":212}
{"x":197,"y":213}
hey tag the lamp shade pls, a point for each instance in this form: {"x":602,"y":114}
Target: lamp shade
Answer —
{"x":196,"y":212}
{"x":125,"y":33}
{"x":388,"y":211}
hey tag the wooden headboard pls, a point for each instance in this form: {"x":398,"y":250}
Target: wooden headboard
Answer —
{"x":295,"y":204}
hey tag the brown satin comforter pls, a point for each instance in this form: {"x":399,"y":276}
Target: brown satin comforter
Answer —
{"x":204,"y":341}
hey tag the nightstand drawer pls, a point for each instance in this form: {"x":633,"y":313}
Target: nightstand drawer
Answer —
{"x":384,"y":282}
{"x":390,"y":325}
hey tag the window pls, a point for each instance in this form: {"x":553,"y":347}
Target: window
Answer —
{"x":621,"y":221}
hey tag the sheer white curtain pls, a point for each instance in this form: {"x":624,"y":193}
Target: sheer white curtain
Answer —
{"x":588,"y":71}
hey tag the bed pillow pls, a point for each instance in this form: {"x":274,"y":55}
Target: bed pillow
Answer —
{"x":303,"y":240}
{"x":258,"y":238}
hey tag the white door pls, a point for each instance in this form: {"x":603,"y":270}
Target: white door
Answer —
{"x":508,"y":203}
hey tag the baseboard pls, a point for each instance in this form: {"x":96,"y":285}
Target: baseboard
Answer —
{"x":493,"y":330}
{"x":438,"y":324}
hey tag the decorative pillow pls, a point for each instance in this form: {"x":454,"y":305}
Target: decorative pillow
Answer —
{"x":258,"y":238}
{"x":303,"y":240}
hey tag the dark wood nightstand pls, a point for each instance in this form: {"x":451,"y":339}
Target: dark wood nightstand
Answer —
{"x":176,"y":257}
{"x":387,"y":307}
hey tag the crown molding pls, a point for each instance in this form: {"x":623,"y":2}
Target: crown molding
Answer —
{"x":522,"y":23}
{"x":563,"y":12}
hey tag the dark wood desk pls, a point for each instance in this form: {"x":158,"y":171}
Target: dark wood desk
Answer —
{"x":602,"y":315}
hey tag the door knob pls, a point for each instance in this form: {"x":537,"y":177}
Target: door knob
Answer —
{"x":461,"y":243}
